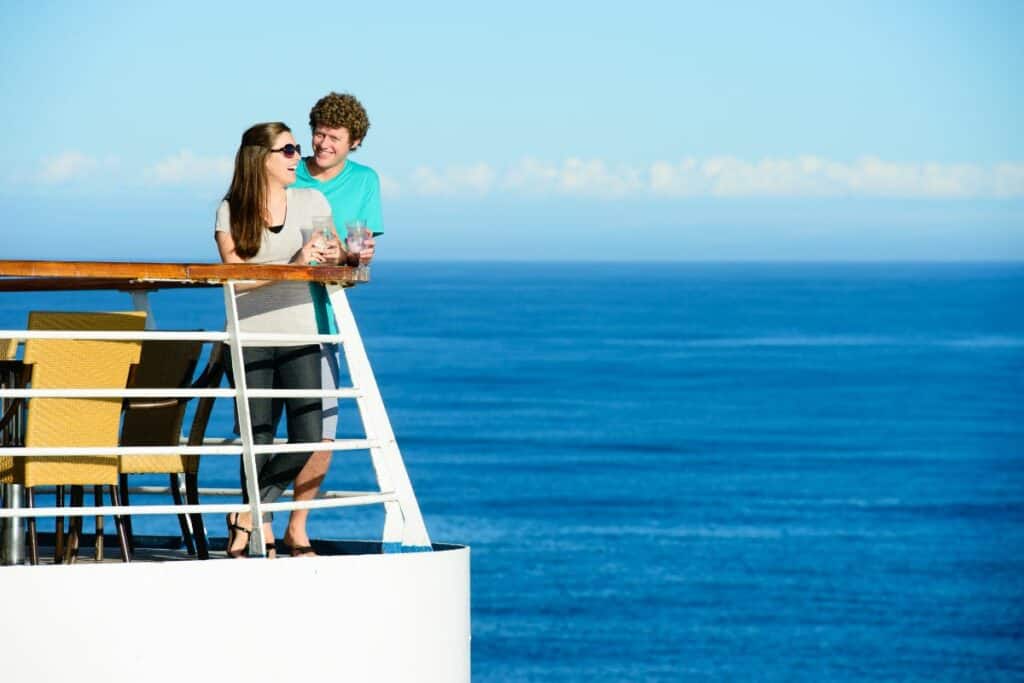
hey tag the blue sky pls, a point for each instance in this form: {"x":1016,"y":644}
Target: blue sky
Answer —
{"x":533,"y":130}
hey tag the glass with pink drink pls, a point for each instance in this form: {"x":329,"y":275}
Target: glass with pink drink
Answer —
{"x":357,"y":232}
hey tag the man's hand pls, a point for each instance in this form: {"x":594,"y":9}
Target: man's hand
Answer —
{"x":366,"y":255}
{"x":332,"y":252}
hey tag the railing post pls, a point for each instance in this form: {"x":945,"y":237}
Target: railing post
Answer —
{"x":256,"y":540}
{"x":12,"y":529}
{"x":140,"y":301}
{"x":403,"y":523}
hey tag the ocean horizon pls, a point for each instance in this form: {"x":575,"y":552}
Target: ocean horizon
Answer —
{"x":209,"y":256}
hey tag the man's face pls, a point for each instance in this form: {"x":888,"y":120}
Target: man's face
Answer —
{"x":331,"y":146}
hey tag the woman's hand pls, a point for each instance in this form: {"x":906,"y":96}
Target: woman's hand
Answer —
{"x":311,"y":251}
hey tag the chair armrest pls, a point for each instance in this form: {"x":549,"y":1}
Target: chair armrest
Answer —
{"x":144,"y":404}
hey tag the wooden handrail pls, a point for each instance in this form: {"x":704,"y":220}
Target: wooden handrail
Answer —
{"x":66,"y":275}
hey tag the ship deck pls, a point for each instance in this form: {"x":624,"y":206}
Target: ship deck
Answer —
{"x":150,"y":548}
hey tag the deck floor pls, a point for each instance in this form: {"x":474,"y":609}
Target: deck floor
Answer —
{"x":171,"y":549}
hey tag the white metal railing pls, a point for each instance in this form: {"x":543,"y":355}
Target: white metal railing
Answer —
{"x":116,"y":335}
{"x":93,"y":451}
{"x":176,"y":393}
{"x":403,"y":525}
{"x":327,"y":501}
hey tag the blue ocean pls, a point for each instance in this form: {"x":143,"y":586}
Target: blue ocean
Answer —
{"x":701,"y":472}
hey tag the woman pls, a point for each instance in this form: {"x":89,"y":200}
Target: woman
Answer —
{"x":262,"y":221}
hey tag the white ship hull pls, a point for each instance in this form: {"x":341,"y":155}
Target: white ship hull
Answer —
{"x":391,"y":617}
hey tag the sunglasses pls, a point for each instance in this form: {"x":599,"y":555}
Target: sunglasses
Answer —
{"x":289,"y":150}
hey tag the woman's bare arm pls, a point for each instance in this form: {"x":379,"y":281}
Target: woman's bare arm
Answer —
{"x":226,"y":247}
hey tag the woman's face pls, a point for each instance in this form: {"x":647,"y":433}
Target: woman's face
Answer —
{"x":280,"y":166}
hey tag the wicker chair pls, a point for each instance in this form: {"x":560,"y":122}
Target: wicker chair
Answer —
{"x":11,"y":372}
{"x":55,"y":422}
{"x":158,"y":422}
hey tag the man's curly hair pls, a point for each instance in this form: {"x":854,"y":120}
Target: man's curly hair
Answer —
{"x":340,"y":110}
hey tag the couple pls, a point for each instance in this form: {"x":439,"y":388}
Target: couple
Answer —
{"x":274,"y":195}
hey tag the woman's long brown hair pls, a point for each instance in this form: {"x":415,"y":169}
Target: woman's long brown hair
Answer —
{"x":247,"y":196}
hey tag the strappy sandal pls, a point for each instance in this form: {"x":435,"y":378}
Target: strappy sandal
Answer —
{"x":300,"y":550}
{"x":234,"y":529}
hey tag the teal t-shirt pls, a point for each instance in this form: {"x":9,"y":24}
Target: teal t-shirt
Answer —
{"x":354,"y":194}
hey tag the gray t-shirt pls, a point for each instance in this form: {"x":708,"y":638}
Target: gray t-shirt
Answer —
{"x":280,"y":307}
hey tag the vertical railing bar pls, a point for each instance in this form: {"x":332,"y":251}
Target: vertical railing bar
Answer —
{"x":140,"y":301}
{"x":405,"y":525}
{"x":256,"y":539}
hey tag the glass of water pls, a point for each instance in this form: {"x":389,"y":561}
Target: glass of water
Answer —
{"x":323,"y":233}
{"x":323,"y":227}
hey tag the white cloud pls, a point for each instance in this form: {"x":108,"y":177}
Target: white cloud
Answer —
{"x":573,"y":177}
{"x":1009,"y":180}
{"x":185,"y":168}
{"x":389,"y":187}
{"x":476,"y":179}
{"x":716,"y":176}
{"x":66,"y":166}
{"x":811,"y":176}
{"x":727,"y":176}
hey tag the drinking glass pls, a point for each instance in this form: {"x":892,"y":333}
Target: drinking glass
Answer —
{"x":324,"y":226}
{"x":323,"y":231}
{"x":357,"y":232}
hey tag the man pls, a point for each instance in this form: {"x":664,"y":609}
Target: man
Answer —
{"x":339,"y":125}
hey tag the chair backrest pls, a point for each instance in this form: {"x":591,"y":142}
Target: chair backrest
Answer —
{"x":10,"y":409}
{"x":8,"y":349}
{"x":212,"y":376}
{"x":81,"y":364}
{"x":155,"y":421}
